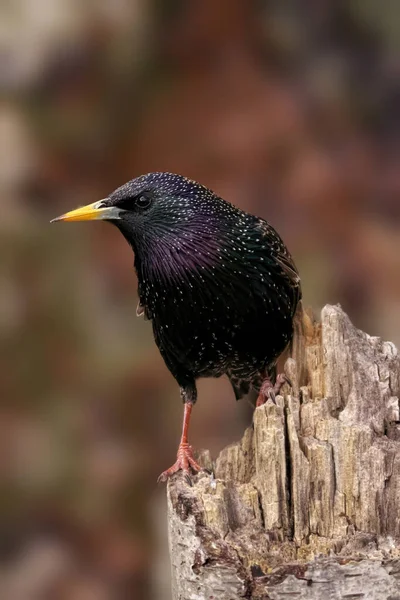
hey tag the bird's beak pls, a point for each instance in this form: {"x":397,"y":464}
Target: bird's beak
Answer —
{"x":91,"y":212}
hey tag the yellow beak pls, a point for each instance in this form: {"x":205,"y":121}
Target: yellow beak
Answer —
{"x":91,"y":212}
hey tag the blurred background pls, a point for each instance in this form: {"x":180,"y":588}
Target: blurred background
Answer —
{"x":287,"y":109}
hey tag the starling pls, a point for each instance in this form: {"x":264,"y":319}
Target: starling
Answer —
{"x":217,"y":283}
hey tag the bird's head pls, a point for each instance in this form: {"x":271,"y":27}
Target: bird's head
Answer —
{"x":157,"y":207}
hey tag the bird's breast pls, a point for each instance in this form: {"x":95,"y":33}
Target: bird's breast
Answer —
{"x":209,"y":327}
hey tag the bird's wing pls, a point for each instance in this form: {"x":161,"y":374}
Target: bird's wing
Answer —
{"x":289,"y":268}
{"x":282,"y":258}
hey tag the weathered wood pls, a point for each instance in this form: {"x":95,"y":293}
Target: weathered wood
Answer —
{"x":307,"y":504}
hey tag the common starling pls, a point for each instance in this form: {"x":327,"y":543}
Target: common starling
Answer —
{"x":217,"y":283}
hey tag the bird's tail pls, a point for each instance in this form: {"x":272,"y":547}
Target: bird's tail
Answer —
{"x":240,"y":387}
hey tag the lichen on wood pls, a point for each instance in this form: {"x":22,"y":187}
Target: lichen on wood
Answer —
{"x":307,"y":503}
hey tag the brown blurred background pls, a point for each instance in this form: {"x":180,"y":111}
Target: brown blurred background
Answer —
{"x":288,"y":109}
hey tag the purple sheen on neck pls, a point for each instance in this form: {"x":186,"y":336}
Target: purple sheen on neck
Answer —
{"x":170,"y":259}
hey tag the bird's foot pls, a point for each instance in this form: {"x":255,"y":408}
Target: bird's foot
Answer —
{"x":184,"y":462}
{"x":270,"y":390}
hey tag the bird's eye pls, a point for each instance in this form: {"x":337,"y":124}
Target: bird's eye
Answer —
{"x":142,"y":201}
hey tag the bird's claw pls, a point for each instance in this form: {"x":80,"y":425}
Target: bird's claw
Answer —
{"x":271,"y":395}
{"x":270,"y":391}
{"x":184,"y":462}
{"x":286,"y":379}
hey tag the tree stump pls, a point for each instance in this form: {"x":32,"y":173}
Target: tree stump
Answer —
{"x":307,"y":504}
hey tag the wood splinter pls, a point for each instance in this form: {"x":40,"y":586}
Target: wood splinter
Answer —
{"x":307,"y":503}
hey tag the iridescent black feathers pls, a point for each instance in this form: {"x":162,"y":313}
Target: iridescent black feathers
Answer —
{"x":218,"y":284}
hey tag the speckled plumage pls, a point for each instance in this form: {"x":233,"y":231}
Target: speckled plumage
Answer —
{"x":218,"y":284}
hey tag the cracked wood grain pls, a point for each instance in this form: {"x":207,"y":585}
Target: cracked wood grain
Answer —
{"x":307,"y":503}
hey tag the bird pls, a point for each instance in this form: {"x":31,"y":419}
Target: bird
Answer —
{"x":217,"y":283}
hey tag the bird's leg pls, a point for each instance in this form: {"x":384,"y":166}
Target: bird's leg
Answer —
{"x":185,"y":459}
{"x":270,"y":390}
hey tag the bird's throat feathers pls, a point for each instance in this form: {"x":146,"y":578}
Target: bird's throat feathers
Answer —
{"x":167,"y":258}
{"x":195,"y":251}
